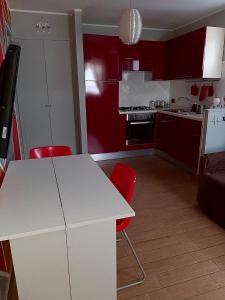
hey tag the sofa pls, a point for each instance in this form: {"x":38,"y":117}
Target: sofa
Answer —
{"x":211,"y":188}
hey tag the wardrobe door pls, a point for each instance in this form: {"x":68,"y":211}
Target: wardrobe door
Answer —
{"x":60,"y":91}
{"x":32,"y":96}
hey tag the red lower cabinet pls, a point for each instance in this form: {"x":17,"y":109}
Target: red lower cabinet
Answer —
{"x":2,"y":259}
{"x":179,"y":137}
{"x":190,"y":130}
{"x":102,"y":133}
{"x":105,"y":127}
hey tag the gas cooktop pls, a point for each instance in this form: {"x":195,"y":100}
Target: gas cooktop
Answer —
{"x":134,"y":108}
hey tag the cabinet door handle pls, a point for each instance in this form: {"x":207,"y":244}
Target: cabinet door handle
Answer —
{"x":168,"y":121}
{"x":140,"y":123}
{"x":48,"y":105}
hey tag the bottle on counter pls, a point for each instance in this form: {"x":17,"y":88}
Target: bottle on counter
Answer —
{"x":194,"y":107}
{"x":152,"y":104}
{"x":172,"y":104}
{"x":200,"y":109}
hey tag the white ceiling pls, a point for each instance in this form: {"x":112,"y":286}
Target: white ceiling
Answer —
{"x":167,"y":14}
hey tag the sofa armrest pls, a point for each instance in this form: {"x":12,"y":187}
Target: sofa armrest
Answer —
{"x":212,"y":162}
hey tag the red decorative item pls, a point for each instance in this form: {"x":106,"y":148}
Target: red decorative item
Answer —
{"x":15,"y":139}
{"x":194,"y":90}
{"x":203,"y":93}
{"x":211,"y":90}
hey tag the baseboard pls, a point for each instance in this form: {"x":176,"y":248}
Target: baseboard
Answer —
{"x":122,"y":154}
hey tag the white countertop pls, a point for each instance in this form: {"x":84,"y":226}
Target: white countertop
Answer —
{"x":87,"y":194}
{"x":29,"y":200}
{"x":137,"y":112}
{"x":33,"y":194}
{"x":185,"y":115}
{"x":189,"y":115}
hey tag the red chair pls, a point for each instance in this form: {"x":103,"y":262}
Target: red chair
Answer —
{"x":124,"y":178}
{"x":50,"y":151}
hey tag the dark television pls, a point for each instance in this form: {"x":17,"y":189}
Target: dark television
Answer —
{"x":8,"y":78}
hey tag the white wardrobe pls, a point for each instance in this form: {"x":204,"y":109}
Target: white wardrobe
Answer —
{"x":45,"y":93}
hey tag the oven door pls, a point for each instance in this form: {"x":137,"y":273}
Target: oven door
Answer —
{"x":140,"y":132}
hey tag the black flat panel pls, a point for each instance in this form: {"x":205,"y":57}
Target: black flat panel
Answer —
{"x":8,"y":78}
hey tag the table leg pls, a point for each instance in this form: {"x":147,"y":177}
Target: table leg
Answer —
{"x":41,"y":266}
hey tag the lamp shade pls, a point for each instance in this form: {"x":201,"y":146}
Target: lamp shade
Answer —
{"x":130,"y":26}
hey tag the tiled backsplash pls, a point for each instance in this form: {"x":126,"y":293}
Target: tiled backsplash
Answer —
{"x":135,"y":91}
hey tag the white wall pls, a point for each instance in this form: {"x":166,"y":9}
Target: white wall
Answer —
{"x":135,"y":91}
{"x":152,"y":34}
{"x":182,"y":88}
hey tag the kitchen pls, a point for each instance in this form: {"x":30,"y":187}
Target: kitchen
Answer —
{"x":139,"y":88}
{"x":150,"y":105}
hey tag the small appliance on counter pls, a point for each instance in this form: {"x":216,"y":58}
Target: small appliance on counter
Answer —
{"x":200,"y":109}
{"x":216,"y":103}
{"x":158,"y":103}
{"x":194,"y":107}
{"x":152,"y":104}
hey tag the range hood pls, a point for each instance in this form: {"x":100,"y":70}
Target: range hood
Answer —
{"x":137,"y":75}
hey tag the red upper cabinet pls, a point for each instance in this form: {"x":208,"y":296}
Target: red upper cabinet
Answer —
{"x":144,"y":56}
{"x":184,"y":56}
{"x":158,"y":61}
{"x":197,"y":54}
{"x":101,"y":57}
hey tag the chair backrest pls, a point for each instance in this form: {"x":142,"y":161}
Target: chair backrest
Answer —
{"x":50,"y":151}
{"x":2,"y":174}
{"x":124,"y":178}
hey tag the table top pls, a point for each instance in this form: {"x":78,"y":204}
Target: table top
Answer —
{"x":86,"y":193}
{"x":44,"y":195}
{"x":29,"y":200}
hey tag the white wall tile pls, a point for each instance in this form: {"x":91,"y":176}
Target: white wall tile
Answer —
{"x":135,"y":91}
{"x":182,"y":88}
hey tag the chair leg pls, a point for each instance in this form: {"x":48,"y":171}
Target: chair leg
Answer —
{"x":120,"y":238}
{"x":143,"y":275}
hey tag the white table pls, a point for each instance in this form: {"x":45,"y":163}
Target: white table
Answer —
{"x":59,"y":215}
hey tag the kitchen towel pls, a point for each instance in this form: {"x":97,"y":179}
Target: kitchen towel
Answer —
{"x":203,"y":93}
{"x":211,"y":91}
{"x":194,"y":90}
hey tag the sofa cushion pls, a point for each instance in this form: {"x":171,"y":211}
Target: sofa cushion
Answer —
{"x":217,"y":178}
{"x":216,"y":162}
{"x":213,"y":198}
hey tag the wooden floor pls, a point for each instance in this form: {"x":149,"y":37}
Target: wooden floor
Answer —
{"x":182,"y":251}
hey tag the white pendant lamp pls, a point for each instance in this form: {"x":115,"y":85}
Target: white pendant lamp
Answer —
{"x":130,"y":26}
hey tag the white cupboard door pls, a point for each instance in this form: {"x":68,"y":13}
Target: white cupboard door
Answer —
{"x":41,"y":266}
{"x":32,"y":96}
{"x":92,"y":261}
{"x":60,"y":91}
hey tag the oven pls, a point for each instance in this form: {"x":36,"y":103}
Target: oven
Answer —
{"x":140,"y":128}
